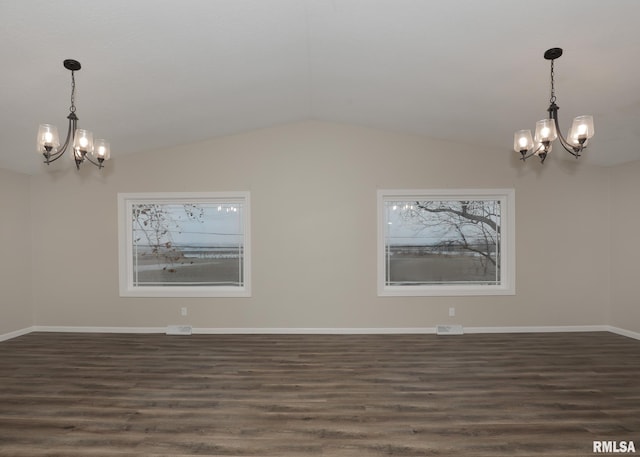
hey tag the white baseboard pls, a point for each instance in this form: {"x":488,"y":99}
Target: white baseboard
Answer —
{"x":16,"y":334}
{"x":328,"y":331}
{"x":539,"y":329}
{"x":314,"y":330}
{"x":623,"y":332}
{"x":241,"y":330}
{"x":70,"y":329}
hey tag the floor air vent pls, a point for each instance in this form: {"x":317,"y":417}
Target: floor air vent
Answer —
{"x":179,"y":330}
{"x":449,"y":330}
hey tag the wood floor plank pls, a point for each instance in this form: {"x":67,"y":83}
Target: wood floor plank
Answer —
{"x":317,"y":395}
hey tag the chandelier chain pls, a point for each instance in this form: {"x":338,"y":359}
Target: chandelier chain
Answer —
{"x":72,"y":108}
{"x":553,"y":88}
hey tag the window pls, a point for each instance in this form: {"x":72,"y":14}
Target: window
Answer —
{"x":184,"y":244}
{"x":446,"y":242}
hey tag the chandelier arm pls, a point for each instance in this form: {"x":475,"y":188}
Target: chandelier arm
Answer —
{"x":53,"y":157}
{"x":73,"y":125}
{"x":97,"y":164}
{"x":531,"y":152}
{"x":574,"y":151}
{"x":571,"y":149}
{"x":73,"y":122}
{"x":543,"y":156}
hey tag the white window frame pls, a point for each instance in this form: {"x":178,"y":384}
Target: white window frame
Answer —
{"x":125,"y":238}
{"x":507,"y":242}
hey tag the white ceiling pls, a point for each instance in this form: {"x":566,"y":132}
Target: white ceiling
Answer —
{"x":161,"y":73}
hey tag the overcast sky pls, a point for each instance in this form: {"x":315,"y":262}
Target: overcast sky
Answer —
{"x":218,"y":224}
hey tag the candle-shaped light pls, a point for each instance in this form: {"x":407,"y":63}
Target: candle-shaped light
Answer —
{"x":48,"y":140}
{"x":101,"y":150}
{"x":545,"y":131}
{"x":82,"y":142}
{"x":581,"y":130}
{"x":522,"y":141}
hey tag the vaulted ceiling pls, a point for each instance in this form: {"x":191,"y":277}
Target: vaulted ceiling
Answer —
{"x":161,"y":73}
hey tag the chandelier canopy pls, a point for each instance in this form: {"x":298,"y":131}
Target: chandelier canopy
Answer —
{"x":547,"y":130}
{"x":80,"y":140}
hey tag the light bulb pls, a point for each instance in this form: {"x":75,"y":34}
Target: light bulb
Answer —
{"x":522,"y":141}
{"x":101,"y":150}
{"x":48,"y":140}
{"x":83,"y":141}
{"x":545,"y":131}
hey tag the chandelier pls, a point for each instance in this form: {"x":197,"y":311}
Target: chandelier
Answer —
{"x":80,"y":140}
{"x":547,"y":130}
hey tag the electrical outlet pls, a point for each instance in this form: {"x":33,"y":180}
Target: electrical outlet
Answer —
{"x":452,"y":312}
{"x":183,"y":311}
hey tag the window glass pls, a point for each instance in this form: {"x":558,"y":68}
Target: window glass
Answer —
{"x":176,"y":244}
{"x":445,"y":242}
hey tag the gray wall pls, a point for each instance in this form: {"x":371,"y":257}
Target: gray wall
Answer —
{"x":625,"y":246}
{"x":15,"y":253}
{"x":313,"y":188}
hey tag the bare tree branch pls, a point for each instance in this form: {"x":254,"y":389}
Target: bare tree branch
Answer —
{"x":462,"y":213}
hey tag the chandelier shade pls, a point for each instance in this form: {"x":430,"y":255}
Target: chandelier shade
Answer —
{"x":101,"y":149}
{"x":522,"y":140}
{"x":548,"y":129}
{"x":545,"y":131}
{"x":581,"y":130}
{"x":48,"y":138}
{"x":80,"y":140}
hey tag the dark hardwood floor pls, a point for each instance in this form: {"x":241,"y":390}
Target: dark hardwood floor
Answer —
{"x":317,"y":395}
